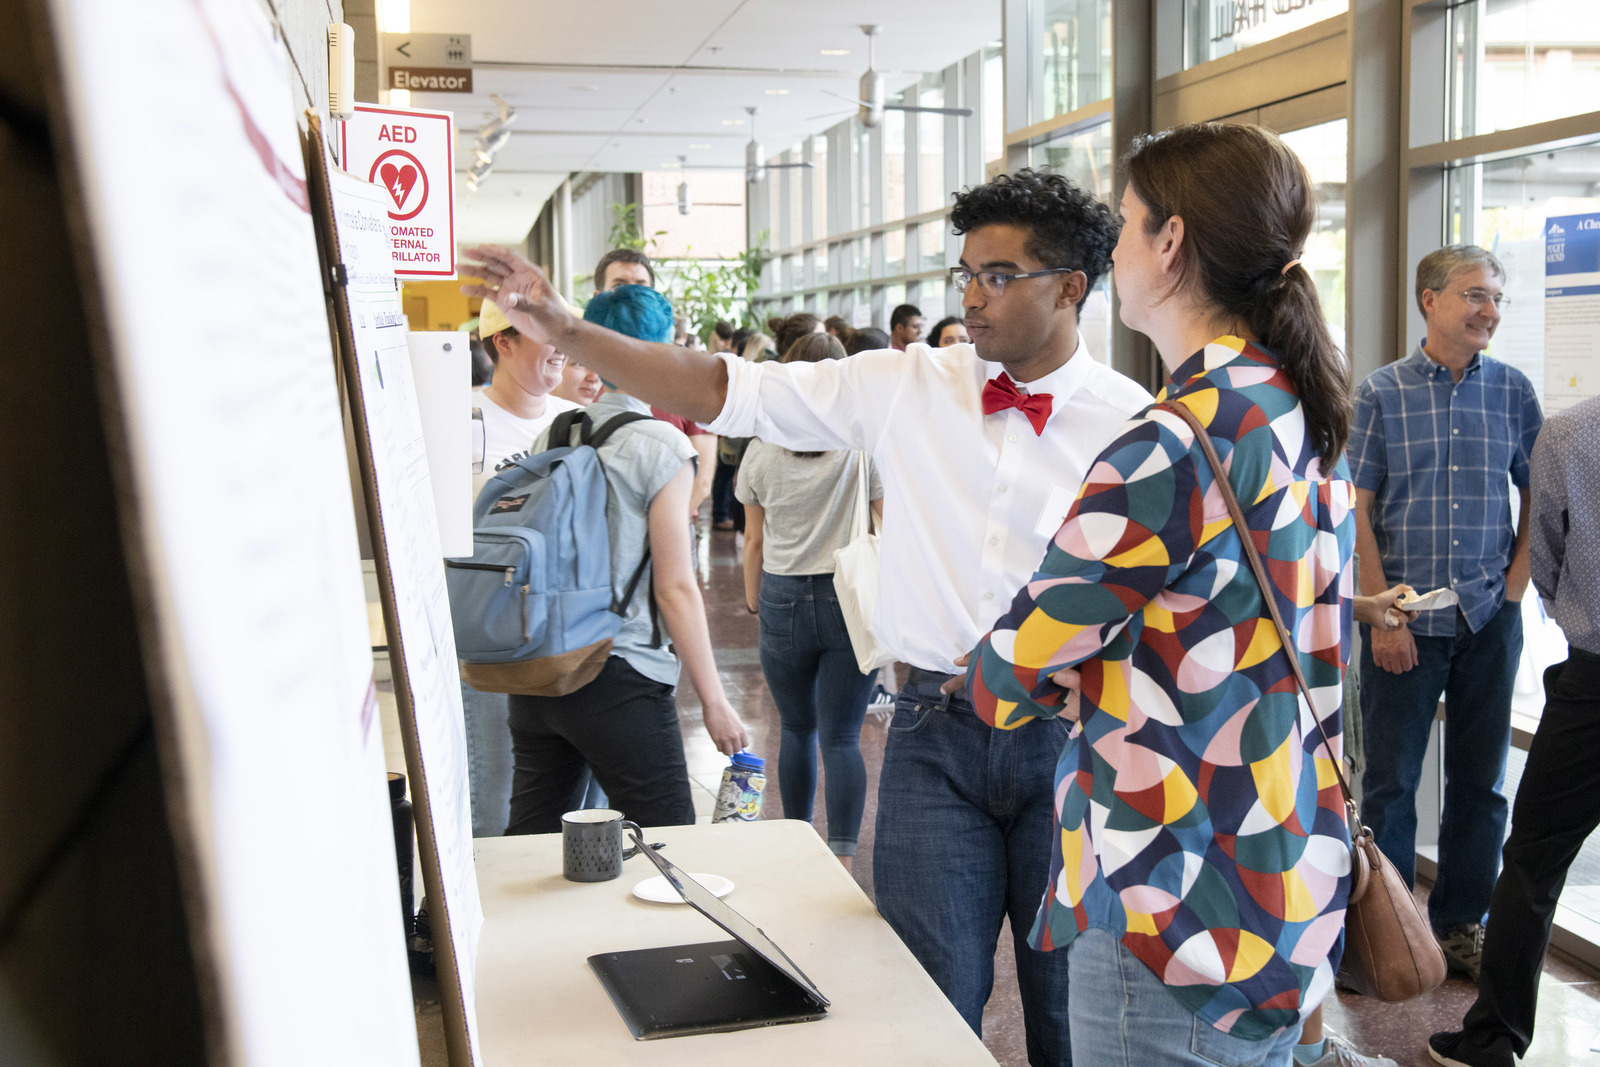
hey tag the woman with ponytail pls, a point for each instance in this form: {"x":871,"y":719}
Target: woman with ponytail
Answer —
{"x":1201,"y":864}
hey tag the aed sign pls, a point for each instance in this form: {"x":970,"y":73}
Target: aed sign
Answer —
{"x":410,"y":155}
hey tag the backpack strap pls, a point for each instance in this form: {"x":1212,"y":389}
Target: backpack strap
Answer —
{"x":561,"y":427}
{"x":594,"y":439}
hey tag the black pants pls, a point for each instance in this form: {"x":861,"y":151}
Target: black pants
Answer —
{"x":1557,"y":807}
{"x":724,"y":505}
{"x":625,"y":726}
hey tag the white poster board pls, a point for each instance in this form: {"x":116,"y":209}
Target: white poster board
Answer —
{"x":1571,"y":310}
{"x":201,"y":265}
{"x":405,"y":538}
{"x":441,"y":367}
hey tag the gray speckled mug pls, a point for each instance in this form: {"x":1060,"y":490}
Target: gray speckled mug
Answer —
{"x":591,"y":844}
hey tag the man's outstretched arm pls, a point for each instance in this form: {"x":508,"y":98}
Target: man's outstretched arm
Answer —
{"x":688,"y":383}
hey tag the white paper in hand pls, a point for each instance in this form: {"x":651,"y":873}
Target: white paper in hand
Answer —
{"x":1432,"y":601}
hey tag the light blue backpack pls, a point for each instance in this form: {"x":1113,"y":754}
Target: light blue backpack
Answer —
{"x":533,"y":607}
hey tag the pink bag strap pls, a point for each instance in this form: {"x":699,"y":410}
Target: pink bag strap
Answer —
{"x":1248,"y":541}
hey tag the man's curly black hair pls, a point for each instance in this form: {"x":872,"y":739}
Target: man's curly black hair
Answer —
{"x":1068,"y":227}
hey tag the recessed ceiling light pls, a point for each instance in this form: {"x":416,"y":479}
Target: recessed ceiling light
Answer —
{"x":836,"y":51}
{"x":699,"y":146}
{"x":733,"y":122}
{"x":777,"y":92}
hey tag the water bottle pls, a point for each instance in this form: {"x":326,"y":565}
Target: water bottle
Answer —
{"x":739,"y":797}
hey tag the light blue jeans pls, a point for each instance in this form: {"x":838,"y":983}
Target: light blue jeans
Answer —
{"x":1123,"y":1016}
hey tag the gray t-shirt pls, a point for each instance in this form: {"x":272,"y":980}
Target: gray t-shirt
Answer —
{"x":640,"y":459}
{"x":810,"y":503}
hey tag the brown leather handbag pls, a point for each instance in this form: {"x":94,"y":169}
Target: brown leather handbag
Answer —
{"x":1389,"y":949}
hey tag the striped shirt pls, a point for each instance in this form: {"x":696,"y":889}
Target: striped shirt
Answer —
{"x":1436,"y":453}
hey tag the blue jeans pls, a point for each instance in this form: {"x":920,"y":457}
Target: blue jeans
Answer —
{"x":966,"y":817}
{"x":821,"y":697}
{"x":1475,"y":672}
{"x":1123,"y":1016}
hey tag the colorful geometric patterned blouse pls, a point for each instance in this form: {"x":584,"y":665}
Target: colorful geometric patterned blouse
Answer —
{"x":1200,"y":820}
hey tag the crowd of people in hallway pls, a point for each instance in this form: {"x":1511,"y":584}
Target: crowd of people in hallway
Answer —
{"x":1100,"y":738}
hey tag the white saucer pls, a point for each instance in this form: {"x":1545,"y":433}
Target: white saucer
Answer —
{"x":658,"y":891}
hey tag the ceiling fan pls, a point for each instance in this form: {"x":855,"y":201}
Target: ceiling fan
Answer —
{"x":685,"y":203}
{"x":754,"y":169}
{"x":869,"y":99}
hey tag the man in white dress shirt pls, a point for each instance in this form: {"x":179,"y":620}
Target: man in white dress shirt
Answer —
{"x":982,"y":448}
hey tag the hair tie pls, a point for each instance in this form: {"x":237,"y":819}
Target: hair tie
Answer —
{"x":1286,"y":266}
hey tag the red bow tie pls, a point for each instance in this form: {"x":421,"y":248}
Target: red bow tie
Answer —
{"x":1000,"y":392}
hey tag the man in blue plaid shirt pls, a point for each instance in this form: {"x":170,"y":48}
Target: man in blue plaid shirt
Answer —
{"x":1437,"y":440}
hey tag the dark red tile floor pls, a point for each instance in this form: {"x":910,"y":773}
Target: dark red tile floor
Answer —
{"x":1569,"y":1015}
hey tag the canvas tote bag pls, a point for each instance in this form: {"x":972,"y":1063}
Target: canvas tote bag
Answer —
{"x":855,"y":579}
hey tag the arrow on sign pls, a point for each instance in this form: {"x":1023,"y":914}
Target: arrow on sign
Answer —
{"x":401,"y":48}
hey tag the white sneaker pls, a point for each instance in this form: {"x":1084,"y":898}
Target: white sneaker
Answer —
{"x":1341,"y":1053}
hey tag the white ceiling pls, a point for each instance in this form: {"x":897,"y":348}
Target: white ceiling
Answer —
{"x":631,"y":85}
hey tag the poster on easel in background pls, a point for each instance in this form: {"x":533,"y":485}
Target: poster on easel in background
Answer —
{"x":1571,"y":310}
{"x":219,"y":397}
{"x":352,"y":221}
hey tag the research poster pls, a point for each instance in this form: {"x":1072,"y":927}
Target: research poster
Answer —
{"x":1571,"y":310}
{"x":412,"y":556}
{"x":197,"y":224}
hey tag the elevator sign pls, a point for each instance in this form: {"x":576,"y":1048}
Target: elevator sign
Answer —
{"x":410,"y":155}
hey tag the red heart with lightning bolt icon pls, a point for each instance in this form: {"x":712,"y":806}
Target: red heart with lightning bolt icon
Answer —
{"x":399,"y":181}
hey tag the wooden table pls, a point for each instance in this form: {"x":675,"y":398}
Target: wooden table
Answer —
{"x":539,"y":1003}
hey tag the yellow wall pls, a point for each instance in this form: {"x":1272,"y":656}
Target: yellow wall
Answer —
{"x":447,"y":309}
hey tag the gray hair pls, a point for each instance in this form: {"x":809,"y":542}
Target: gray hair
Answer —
{"x":1437,"y":268}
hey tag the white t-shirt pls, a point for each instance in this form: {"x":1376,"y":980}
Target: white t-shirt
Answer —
{"x":507,"y":437}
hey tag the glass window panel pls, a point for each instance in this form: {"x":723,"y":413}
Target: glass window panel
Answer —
{"x":1503,"y":207}
{"x":930,"y":147}
{"x":819,"y":186}
{"x":773,"y":180}
{"x":894,"y":252}
{"x":931,"y":236}
{"x":1083,"y":157}
{"x":821,"y":266}
{"x":1515,"y":62}
{"x":893,"y":297}
{"x":1070,"y":61}
{"x":863,"y":180}
{"x":993,"y":118}
{"x":1216,"y":28}
{"x":1323,"y":150}
{"x":894,"y":164}
{"x":794,"y":178}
